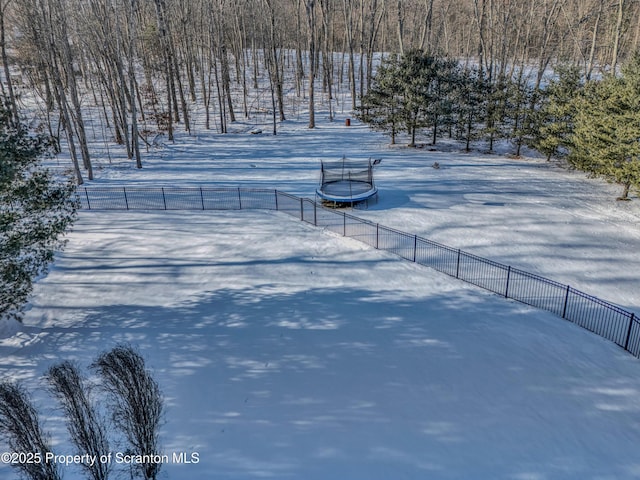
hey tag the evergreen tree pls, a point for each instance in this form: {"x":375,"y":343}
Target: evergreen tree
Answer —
{"x":36,"y":208}
{"x":413,"y":92}
{"x":606,"y":139}
{"x":553,"y":123}
{"x":439,"y":105}
{"x":417,"y":73}
{"x":471,"y":103}
{"x":381,"y":107}
{"x":520,"y":109}
{"x":497,"y":107}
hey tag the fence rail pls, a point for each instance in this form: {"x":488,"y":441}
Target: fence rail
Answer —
{"x":601,"y":317}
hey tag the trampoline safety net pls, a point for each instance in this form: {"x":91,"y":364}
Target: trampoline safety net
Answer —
{"x":351,"y":170}
{"x":347,"y":181}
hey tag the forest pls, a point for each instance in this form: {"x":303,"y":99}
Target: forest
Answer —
{"x":143,"y":64}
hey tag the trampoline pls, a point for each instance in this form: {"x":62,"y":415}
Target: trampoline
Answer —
{"x":347,"y":182}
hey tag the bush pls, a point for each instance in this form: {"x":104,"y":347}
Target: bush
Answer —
{"x":86,"y":428}
{"x":135,"y":401}
{"x":20,"y":428}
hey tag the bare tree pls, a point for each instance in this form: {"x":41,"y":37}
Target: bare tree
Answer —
{"x":86,"y":429}
{"x":148,"y":50}
{"x":59,"y":28}
{"x":5,"y":64}
{"x":347,"y":11}
{"x":594,"y":40}
{"x":617,"y":34}
{"x":312,"y":66}
{"x":20,"y":428}
{"x":401,"y":26}
{"x":135,"y":401}
{"x":133,"y":84}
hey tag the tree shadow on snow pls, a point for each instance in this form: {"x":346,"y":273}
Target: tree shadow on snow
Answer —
{"x":349,"y":383}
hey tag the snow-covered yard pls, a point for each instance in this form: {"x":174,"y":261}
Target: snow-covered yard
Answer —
{"x":523,"y":212}
{"x":288,"y":352}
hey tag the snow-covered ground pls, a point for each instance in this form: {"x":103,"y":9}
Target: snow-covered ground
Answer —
{"x":288,"y":352}
{"x":284,"y":352}
{"x":524,"y":212}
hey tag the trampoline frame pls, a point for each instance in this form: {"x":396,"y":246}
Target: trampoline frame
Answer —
{"x":346,"y":182}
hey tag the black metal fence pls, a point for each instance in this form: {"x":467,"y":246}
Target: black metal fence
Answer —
{"x":592,"y":313}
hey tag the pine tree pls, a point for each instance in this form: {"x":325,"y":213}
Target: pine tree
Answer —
{"x":497,"y":109}
{"x":381,"y":107}
{"x":36,"y":208}
{"x":439,"y":104}
{"x":471,"y":103}
{"x":413,"y":92}
{"x":606,"y":140}
{"x":418,"y":75}
{"x":554,"y":121}
{"x":521,"y":107}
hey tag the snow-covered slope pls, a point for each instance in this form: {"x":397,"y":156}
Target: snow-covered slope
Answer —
{"x":287,"y":353}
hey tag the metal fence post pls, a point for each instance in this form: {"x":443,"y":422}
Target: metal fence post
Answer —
{"x":315,"y":214}
{"x":344,"y":224}
{"x":631,"y":320}
{"x":201,"y":198}
{"x":239,"y":199}
{"x":458,"y":265}
{"x":506,"y":288}
{"x":276,"y":194}
{"x":301,"y":210}
{"x":164,"y":200}
{"x":126,"y":200}
{"x":377,"y":236}
{"x":86,"y":194}
{"x":566,"y":301}
{"x":415,"y":247}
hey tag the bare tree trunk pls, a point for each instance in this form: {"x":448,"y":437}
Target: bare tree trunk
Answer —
{"x":362,"y":49}
{"x":347,"y":10}
{"x":71,"y":83}
{"x":223,"y":117}
{"x":425,"y":39}
{"x":377,"y":15}
{"x":400,"y":26}
{"x":168,"y":66}
{"x":133,"y":28}
{"x":311,"y":19}
{"x":594,"y":42}
{"x":226,"y":81}
{"x":66,"y":118}
{"x":121,"y":89}
{"x":550,"y":32}
{"x":299,"y":49}
{"x":274,"y":64}
{"x":617,"y":36}
{"x":327,"y":53}
{"x":480,"y":19}
{"x":5,"y":63}
{"x":178,"y":80}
